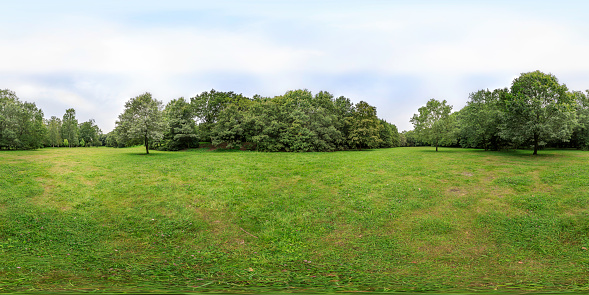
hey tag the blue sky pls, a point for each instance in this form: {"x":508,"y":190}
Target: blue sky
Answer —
{"x":396,"y":55}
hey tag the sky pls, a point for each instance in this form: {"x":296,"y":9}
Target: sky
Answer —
{"x":94,"y":56}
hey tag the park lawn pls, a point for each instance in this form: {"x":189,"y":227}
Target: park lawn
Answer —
{"x":402,"y":219}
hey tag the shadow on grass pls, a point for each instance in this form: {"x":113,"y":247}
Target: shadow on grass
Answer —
{"x":518,"y":153}
{"x":151,"y":154}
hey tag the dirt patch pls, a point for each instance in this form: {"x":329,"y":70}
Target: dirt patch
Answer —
{"x":467,"y":174}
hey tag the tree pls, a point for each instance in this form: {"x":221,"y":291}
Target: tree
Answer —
{"x":479,"y":120}
{"x":69,"y":127}
{"x":141,"y":120}
{"x":433,"y":124}
{"x":90,"y":133}
{"x":364,"y":127}
{"x":21,"y":123}
{"x":344,"y":110}
{"x":389,"y":135}
{"x":538,"y":109}
{"x":580,"y":136}
{"x":181,"y":130}
{"x":208,"y":106}
{"x":54,"y":131}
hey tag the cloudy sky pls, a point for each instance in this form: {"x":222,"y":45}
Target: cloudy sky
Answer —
{"x":396,"y":55}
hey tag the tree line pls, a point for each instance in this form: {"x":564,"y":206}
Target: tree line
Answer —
{"x":535,"y":112}
{"x":297,"y":121}
{"x":22,"y":126}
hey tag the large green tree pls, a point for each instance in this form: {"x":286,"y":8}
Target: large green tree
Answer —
{"x":538,"y":109}
{"x":580,"y":137}
{"x":434,"y":125}
{"x":54,"y":131}
{"x":21,"y":123}
{"x":208,"y":106}
{"x":90,"y":133}
{"x":69,"y":127}
{"x":181,"y":129}
{"x":364,"y":127}
{"x":141,"y":120}
{"x":479,"y":120}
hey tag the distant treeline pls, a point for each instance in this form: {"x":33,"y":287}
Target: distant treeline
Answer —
{"x":296,"y":121}
{"x":535,"y":112}
{"x":22,"y":126}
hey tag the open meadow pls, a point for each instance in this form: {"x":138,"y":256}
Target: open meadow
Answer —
{"x":410,"y":219}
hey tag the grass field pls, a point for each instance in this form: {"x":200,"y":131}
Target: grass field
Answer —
{"x":403,"y":219}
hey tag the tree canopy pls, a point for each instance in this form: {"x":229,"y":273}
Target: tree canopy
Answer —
{"x":434,"y":125}
{"x":141,"y":120}
{"x":537,"y":109}
{"x":21,"y":123}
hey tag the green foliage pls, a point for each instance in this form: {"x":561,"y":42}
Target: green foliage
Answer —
{"x":69,"y":128}
{"x":480,"y":119}
{"x":434,"y":125}
{"x":364,"y":127}
{"x":538,"y":110}
{"x":297,"y":121}
{"x":141,"y":121}
{"x":21,"y":123}
{"x":54,"y":132}
{"x":309,"y":121}
{"x":580,"y":136}
{"x":389,"y":135}
{"x":90,"y":134}
{"x":181,"y":129}
{"x":208,"y":106}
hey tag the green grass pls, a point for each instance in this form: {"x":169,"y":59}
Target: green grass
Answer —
{"x":404,"y":219}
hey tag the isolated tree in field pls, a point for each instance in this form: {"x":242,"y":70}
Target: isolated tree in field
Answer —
{"x":141,"y":120}
{"x":434,"y":125}
{"x":538,"y":109}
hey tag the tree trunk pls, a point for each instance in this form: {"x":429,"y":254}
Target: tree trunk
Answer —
{"x":436,"y":147}
{"x":535,"y":144}
{"x":146,"y":145}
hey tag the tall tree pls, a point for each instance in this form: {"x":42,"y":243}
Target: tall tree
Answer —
{"x":580,"y":137}
{"x":21,"y":123}
{"x":141,"y":120}
{"x":181,"y":130}
{"x":344,"y":110}
{"x":479,"y":120}
{"x":69,"y":127}
{"x":434,"y":125}
{"x":208,"y":106}
{"x":538,"y":109}
{"x":54,"y":131}
{"x":364,"y":127}
{"x":9,"y":111}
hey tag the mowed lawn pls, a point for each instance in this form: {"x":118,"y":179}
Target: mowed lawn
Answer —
{"x":402,"y":219}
